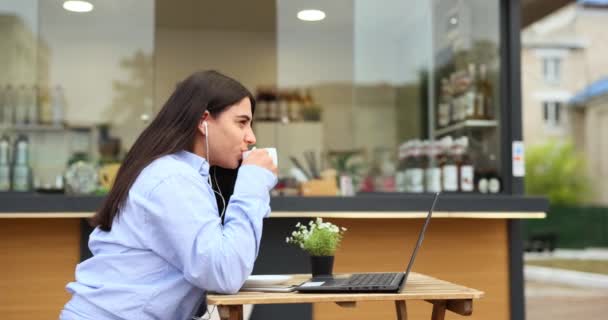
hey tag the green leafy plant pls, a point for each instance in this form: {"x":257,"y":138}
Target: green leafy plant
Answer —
{"x":556,"y":171}
{"x":348,"y":163}
{"x":318,"y":238}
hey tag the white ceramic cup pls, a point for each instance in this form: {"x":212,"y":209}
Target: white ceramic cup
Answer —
{"x":271,"y":151}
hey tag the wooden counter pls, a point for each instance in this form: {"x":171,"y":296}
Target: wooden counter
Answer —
{"x":39,"y":249}
{"x":322,"y":214}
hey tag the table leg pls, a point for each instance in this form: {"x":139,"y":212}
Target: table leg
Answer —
{"x":439,"y":310}
{"x":401,"y":310}
{"x":231,"y":312}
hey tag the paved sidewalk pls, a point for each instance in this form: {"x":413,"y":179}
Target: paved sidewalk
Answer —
{"x":566,"y":277}
{"x":585,"y":254}
{"x":557,"y":294}
{"x":545,"y":301}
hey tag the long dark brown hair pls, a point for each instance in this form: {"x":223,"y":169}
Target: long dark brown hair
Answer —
{"x":174,"y":129}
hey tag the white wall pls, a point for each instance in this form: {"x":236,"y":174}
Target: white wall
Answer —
{"x":393,"y":40}
{"x":249,"y":57}
{"x":312,"y":53}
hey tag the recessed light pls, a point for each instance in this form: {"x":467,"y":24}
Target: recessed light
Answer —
{"x":311,"y":15}
{"x":77,"y":6}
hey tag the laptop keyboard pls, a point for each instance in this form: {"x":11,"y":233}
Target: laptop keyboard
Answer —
{"x":372,"y":279}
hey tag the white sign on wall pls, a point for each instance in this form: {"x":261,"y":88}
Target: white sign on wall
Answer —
{"x":519,"y":168}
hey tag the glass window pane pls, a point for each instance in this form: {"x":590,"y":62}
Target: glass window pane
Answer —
{"x":19,"y":43}
{"x":84,"y":80}
{"x":556,"y":68}
{"x":466,"y":83}
{"x":19,"y":51}
{"x":387,"y":93}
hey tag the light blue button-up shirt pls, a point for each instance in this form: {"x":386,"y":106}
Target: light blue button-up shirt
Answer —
{"x":168,"y":244}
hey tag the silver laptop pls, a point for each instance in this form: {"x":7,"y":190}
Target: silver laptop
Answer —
{"x":367,"y":282}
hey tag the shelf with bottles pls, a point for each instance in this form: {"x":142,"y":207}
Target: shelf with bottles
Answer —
{"x":446,"y":165}
{"x":15,"y":175}
{"x":286,"y":105}
{"x":25,"y":128}
{"x":27,"y":108}
{"x":466,"y":101}
{"x":466,"y":124}
{"x":31,"y":128}
{"x":34,"y":157}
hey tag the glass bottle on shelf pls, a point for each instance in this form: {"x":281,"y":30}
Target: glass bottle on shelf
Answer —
{"x":368,"y":184}
{"x":467,"y":169}
{"x":484,"y":103}
{"x":308,"y":100}
{"x":261,"y":105}
{"x":417,"y":169}
{"x":283,"y":106}
{"x":484,"y":172}
{"x":388,"y":172}
{"x":8,"y":111}
{"x":433,"y":172}
{"x":400,"y":175}
{"x":2,"y":104}
{"x":383,"y":171}
{"x":443,"y":108}
{"x":58,"y":106}
{"x":45,"y":112}
{"x":453,"y":96}
{"x":294,"y":106}
{"x":22,"y":173}
{"x":482,"y":180}
{"x":409,"y":165}
{"x":441,"y":158}
{"x":449,"y":170}
{"x":273,"y":105}
{"x":20,"y":111}
{"x":494,"y":180}
{"x":308,"y":106}
{"x":470,"y":92}
{"x":5,"y":166}
{"x":460,"y":93}
{"x":31,"y":105}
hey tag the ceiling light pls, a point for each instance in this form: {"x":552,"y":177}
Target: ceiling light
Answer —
{"x":311,"y":15}
{"x":77,"y":6}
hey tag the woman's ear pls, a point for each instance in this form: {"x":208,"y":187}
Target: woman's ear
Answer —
{"x":203,"y":127}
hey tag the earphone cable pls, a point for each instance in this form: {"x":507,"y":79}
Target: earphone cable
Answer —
{"x":214,"y":176}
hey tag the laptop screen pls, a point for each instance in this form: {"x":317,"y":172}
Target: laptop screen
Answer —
{"x":420,"y":237}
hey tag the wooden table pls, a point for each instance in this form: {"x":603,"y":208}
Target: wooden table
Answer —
{"x":442,"y":294}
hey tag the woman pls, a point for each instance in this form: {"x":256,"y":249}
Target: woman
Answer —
{"x":159,"y":241}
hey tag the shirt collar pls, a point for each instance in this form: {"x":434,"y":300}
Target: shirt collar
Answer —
{"x":195,"y":161}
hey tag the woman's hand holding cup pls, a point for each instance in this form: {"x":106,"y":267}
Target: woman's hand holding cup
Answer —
{"x":265,"y":158}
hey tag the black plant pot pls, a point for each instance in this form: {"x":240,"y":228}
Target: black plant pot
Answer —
{"x":322,"y":265}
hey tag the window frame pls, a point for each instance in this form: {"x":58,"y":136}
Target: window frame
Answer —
{"x":552,"y":113}
{"x":551,"y":69}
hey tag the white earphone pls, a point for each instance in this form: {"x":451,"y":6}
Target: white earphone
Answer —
{"x":214,"y":177}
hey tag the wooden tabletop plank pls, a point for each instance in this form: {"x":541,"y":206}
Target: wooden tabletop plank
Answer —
{"x":418,"y":287}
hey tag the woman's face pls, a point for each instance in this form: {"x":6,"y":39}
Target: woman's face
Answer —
{"x":230,"y":134}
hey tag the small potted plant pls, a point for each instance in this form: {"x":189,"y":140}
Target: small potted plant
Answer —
{"x":320,"y":239}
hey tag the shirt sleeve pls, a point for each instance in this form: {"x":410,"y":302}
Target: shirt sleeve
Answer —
{"x":186,"y":230}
